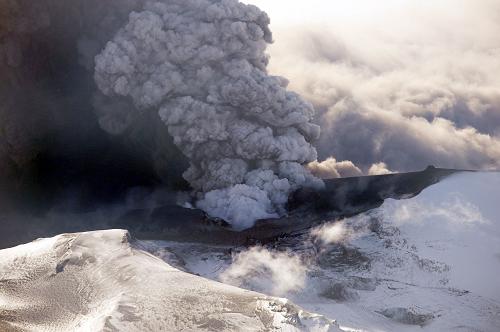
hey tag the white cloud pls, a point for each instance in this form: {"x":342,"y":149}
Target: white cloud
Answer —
{"x":379,"y":169}
{"x":331,"y":168}
{"x":267,"y":271}
{"x":414,"y":83}
{"x":332,"y":233}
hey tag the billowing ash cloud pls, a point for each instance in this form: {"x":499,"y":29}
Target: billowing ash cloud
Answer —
{"x":201,"y":65}
{"x":51,"y":145}
{"x":418,"y":90}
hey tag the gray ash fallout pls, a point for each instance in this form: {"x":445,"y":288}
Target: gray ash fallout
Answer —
{"x":201,"y":66}
{"x":136,"y":93}
{"x":51,"y":145}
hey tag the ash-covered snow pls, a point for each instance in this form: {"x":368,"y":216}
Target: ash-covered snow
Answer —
{"x":101,"y":281}
{"x":428,"y":263}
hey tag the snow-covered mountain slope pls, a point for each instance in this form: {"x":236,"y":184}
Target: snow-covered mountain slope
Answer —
{"x":434,"y":258}
{"x":427,"y":263}
{"x":100,"y":281}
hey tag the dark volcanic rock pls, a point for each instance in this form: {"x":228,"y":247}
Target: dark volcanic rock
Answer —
{"x":340,"y":292}
{"x":339,"y":257}
{"x":342,"y":197}
{"x":366,"y":192}
{"x":407,"y":316}
{"x":361,"y":283}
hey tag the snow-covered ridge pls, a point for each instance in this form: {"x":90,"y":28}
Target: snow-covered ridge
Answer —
{"x":99,"y":281}
{"x":426,"y":263}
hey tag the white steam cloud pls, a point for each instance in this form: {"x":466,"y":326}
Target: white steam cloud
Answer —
{"x":331,"y":169}
{"x":202,"y":65}
{"x":272,"y":272}
{"x":333,"y":232}
{"x":379,"y":169}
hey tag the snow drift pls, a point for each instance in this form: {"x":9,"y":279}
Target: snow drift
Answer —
{"x":102,"y":281}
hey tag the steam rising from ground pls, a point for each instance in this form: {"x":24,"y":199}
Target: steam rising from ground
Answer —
{"x":379,"y":169}
{"x":430,"y":260}
{"x":202,"y":65}
{"x":335,"y":232}
{"x":275,"y":272}
{"x":331,"y":169}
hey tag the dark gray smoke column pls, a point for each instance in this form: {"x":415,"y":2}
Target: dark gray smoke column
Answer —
{"x":202,"y":63}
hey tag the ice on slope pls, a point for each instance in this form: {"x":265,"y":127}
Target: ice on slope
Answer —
{"x":427,"y":263}
{"x":435,"y":255}
{"x":100,"y":281}
{"x":457,"y":223}
{"x":431,"y":260}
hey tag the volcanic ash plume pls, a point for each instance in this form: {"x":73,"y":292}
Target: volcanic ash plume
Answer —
{"x":202,"y":65}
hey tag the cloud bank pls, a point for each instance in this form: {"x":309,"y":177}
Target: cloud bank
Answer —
{"x":404,"y":83}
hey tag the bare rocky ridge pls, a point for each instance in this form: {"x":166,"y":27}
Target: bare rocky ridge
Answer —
{"x":340,"y":198}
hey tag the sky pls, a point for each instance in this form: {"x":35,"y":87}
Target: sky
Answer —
{"x":400,"y":83}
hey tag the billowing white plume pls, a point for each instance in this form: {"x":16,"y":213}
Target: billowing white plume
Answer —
{"x":202,"y":65}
